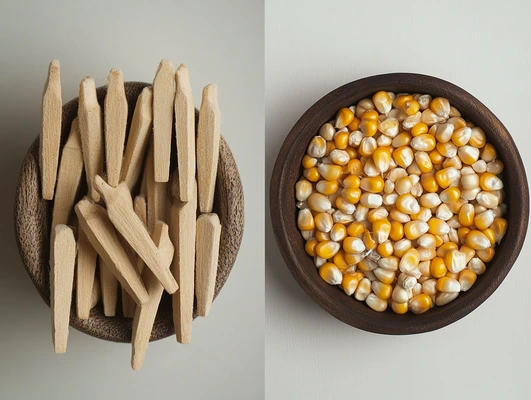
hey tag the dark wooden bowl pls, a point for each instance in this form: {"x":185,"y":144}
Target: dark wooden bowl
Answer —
{"x":33,"y":218}
{"x":283,"y":206}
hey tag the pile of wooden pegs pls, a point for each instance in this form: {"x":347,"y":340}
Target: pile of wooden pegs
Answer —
{"x":143,"y":242}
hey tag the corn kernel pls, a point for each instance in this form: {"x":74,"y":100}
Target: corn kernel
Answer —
{"x":323,"y":222}
{"x":399,"y":308}
{"x":373,"y":184}
{"x":429,"y":183}
{"x":330,"y":274}
{"x":448,"y":285}
{"x":305,"y":221}
{"x":354,"y":125}
{"x":467,"y":278}
{"x":327,"y":187}
{"x":486,"y":255}
{"x":312,"y":174}
{"x":488,"y":153}
{"x":382,"y":101}
{"x":344,"y":117}
{"x":351,"y":195}
{"x":363,"y":290}
{"x":437,"y":267}
{"x":441,"y":107}
{"x":355,"y":167}
{"x":341,"y":140}
{"x":384,"y":275}
{"x":477,"y":240}
{"x":446,"y":176}
{"x":369,"y":241}
{"x":397,"y":231}
{"x":403,"y":156}
{"x":322,"y":236}
{"x":350,"y":282}
{"x":353,"y":245}
{"x":420,"y":303}
{"x":385,"y":249}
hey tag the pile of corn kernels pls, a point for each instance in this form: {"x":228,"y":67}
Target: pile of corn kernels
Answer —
{"x":401,"y":202}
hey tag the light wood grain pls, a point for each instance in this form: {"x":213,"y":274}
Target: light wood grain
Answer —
{"x":109,"y":289}
{"x":96,"y":293}
{"x":62,"y":263}
{"x":208,"y":134}
{"x":87,"y":259}
{"x":157,"y":193}
{"x":163,"y":97}
{"x":121,"y":213}
{"x":101,"y":234}
{"x":115,"y":125}
{"x":140,"y":207}
{"x":52,"y":111}
{"x":128,"y":304}
{"x":146,"y":313}
{"x":138,"y":138}
{"x":183,"y":225}
{"x":185,"y":132}
{"x":90,"y":128}
{"x":68,"y":178}
{"x":206,"y":263}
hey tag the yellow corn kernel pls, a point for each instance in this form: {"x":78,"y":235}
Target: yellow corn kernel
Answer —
{"x":368,"y":240}
{"x":351,"y":195}
{"x":415,"y":229}
{"x":455,"y":261}
{"x":350,"y":282}
{"x":397,"y":231}
{"x":339,"y":260}
{"x":445,"y":248}
{"x":399,"y":308}
{"x":370,"y":115}
{"x":305,"y":220}
{"x":448,"y":284}
{"x":344,"y":117}
{"x":354,"y":125}
{"x":399,"y":101}
{"x":447,"y":149}
{"x":312,"y":174}
{"x":439,"y":240}
{"x":420,"y":303}
{"x":352,"y":152}
{"x":409,"y":260}
{"x":429,"y":183}
{"x":489,"y":181}
{"x":385,"y":249}
{"x":373,"y":184}
{"x":468,"y":154}
{"x":461,"y":136}
{"x":489,"y":233}
{"x":437,"y":267}
{"x":436,"y":157}
{"x":469,"y":253}
{"x":344,"y":205}
{"x":330,"y":146}
{"x":352,"y":181}
{"x":450,"y":195}
{"x":327,"y":249}
{"x":338,"y":232}
{"x":367,"y":146}
{"x":354,"y":259}
{"x":455,"y":206}
{"x":477,"y":240}
{"x":453,"y":162}
{"x":330,"y":274}
{"x":382,"y":290}
{"x":486,"y":255}
{"x":466,"y":215}
{"x":355,"y":229}
{"x":419,"y":129}
{"x":367,"y":265}
{"x":446,"y":176}
{"x":341,"y":140}
{"x":499,"y":226}
{"x":462,"y":232}
{"x":323,"y":222}
{"x":353,"y":245}
{"x":382,"y":158}
{"x":322,"y":236}
{"x":488,"y":153}
{"x":369,"y":127}
{"x":403,"y":156}
{"x":381,"y":229}
{"x":377,"y":213}
{"x":411,"y":108}
{"x":402,"y":139}
{"x":457,"y":122}
{"x":308,"y":162}
{"x":484,"y":220}
{"x":438,"y":226}
{"x":407,"y":204}
{"x":425,"y":142}
{"x":477,"y":138}
{"x":467,"y":278}
{"x":382,"y":101}
{"x":310,"y":247}
{"x":423,"y":161}
{"x":327,"y":187}
{"x":440,"y":106}
{"x":384,"y":275}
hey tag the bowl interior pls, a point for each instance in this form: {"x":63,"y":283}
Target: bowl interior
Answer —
{"x":33,"y":220}
{"x":283,"y":211}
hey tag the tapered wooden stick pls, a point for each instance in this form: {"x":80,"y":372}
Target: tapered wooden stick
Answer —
{"x":62,"y":262}
{"x":163,"y":97}
{"x":85,"y":273}
{"x":185,"y":131}
{"x":96,"y":293}
{"x":68,"y":178}
{"x":137,"y":141}
{"x":101,"y":234}
{"x":121,"y":213}
{"x":90,"y":128}
{"x":128,"y":304}
{"x":208,"y":134}
{"x":206,"y":264}
{"x":140,"y":208}
{"x":183,"y":225}
{"x":146,"y":313}
{"x":157,"y":193}
{"x":109,"y":289}
{"x":115,"y":125}
{"x":52,"y":111}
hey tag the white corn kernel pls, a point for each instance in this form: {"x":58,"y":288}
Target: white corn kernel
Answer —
{"x":479,"y":166}
{"x":317,"y":147}
{"x":319,"y":202}
{"x":376,"y":303}
{"x":407,"y":282}
{"x":428,"y":287}
{"x":477,"y":266}
{"x":444,"y":213}
{"x":487,"y":199}
{"x":441,"y":299}
{"x":354,"y":139}
{"x":318,"y":261}
{"x":363,"y":290}
{"x":430,"y":200}
{"x":327,"y":131}
{"x":455,"y":261}
{"x":371,"y":200}
{"x":339,"y":157}
{"x":400,"y":295}
{"x":342,"y":218}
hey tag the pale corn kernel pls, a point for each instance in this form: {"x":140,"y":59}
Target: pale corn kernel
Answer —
{"x":466,"y":215}
{"x":420,"y":303}
{"x":369,"y":241}
{"x":484,"y":220}
{"x":438,"y":226}
{"x":415,"y":229}
{"x":448,"y":285}
{"x":410,"y":261}
{"x":389,"y":127}
{"x":470,"y":181}
{"x":486,"y":255}
{"x":477,"y":240}
{"x":453,"y":236}
{"x":453,"y":162}
{"x":470,"y":194}
{"x":381,"y":229}
{"x":403,"y":156}
{"x":425,"y":142}
{"x":312,"y":174}
{"x":454,"y":112}
{"x":479,"y":166}
{"x":317,"y":147}
{"x":354,"y":259}
{"x":327,"y":249}
{"x":446,"y":176}
{"x":430,"y":118}
{"x":322,"y":236}
{"x":389,"y":199}
{"x":488,"y":153}
{"x":327,"y":187}
{"x":339,"y":157}
{"x":370,"y":169}
{"x":443,"y":212}
{"x":396,"y":215}
{"x":367,"y":265}
{"x":487,"y":199}
{"x":400,"y":295}
{"x":414,"y":170}
{"x":467,"y":278}
{"x":450,"y":195}
{"x":370,"y":276}
{"x":411,"y":120}
{"x":437,"y":267}
{"x":323,"y":222}
{"x":444,"y":132}
{"x":469,"y":253}
{"x":385,"y":249}
{"x":371,"y":200}
{"x":384,"y":275}
{"x":303,"y":190}
{"x":344,"y":206}
{"x":381,"y":158}
{"x":382,"y":290}
{"x":477,"y":265}
{"x":350,"y":282}
{"x":447,"y":149}
{"x":389,"y":263}
{"x":468,"y":154}
{"x":406,"y":281}
{"x":376,"y":303}
{"x":441,"y":299}
{"x":327,"y":131}
{"x":477,"y":137}
{"x":384,"y":141}
{"x":427,"y":241}
{"x":424,"y":100}
{"x":499,"y":226}
{"x":330,"y":274}
{"x":353,"y":245}
{"x":423,"y":162}
{"x":307,"y":235}
{"x":423,"y":215}
{"x":338,"y":232}
{"x":363,"y":290}
{"x":354,"y":139}
{"x":344,"y":117}
{"x":457,"y":122}
{"x":305,"y":220}
{"x":426,"y":254}
{"x":430,"y":200}
{"x":361,"y":213}
{"x":407,"y":204}
{"x":429,"y":287}
{"x":461,"y":136}
{"x":374,"y":184}
{"x":354,"y":125}
{"x":310,"y":247}
{"x":455,"y":261}
{"x":454,"y":221}
{"x":495,"y":167}
{"x":319,"y":262}
{"x":319,"y":203}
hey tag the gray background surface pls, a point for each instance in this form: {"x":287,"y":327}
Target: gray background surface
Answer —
{"x":221,"y":42}
{"x":313,"y":47}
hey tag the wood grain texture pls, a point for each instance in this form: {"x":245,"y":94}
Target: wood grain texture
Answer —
{"x":183,"y":227}
{"x":146,"y":313}
{"x":101,"y":234}
{"x":163,"y":97}
{"x":87,"y":260}
{"x":52,"y":104}
{"x":32,"y":230}
{"x":115,"y":125}
{"x":137,"y":142}
{"x":206,"y":264}
{"x":208,"y":134}
{"x":140,"y":207}
{"x":109,"y":288}
{"x":68,"y":177}
{"x":62,"y":263}
{"x":157,"y":193}
{"x":283,"y":209}
{"x":128,"y":304}
{"x":185,"y":132}
{"x":91,"y":130}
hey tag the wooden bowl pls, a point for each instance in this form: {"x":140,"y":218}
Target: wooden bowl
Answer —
{"x":33,"y":217}
{"x":283,"y":209}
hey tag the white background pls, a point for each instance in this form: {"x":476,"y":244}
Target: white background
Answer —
{"x":221,"y":42}
{"x":314,"y":46}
